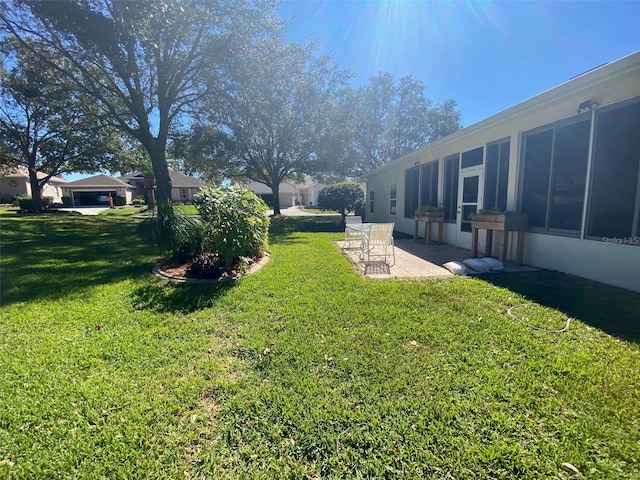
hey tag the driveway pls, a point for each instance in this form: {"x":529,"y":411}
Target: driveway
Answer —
{"x":84,"y":210}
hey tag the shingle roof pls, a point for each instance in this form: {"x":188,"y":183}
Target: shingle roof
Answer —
{"x":180,"y":180}
{"x":22,"y":172}
{"x":98,"y":181}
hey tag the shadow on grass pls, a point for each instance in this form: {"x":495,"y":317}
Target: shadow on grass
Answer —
{"x":178,"y":297}
{"x":51,"y":256}
{"x":613,"y":310}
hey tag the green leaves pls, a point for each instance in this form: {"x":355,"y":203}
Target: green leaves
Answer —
{"x":343,"y":197}
{"x":235,"y":222}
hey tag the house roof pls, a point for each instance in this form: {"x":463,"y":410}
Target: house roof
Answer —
{"x":178,"y":179}
{"x":598,"y":75}
{"x":100,"y":180}
{"x":22,"y":172}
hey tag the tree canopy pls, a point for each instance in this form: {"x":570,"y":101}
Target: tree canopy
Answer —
{"x":276,"y":115}
{"x":392,"y":118}
{"x":343,"y":197}
{"x":46,"y":126}
{"x":148,"y":65}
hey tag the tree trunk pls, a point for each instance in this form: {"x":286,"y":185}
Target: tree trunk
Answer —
{"x":275,"y":190}
{"x":36,"y":196}
{"x":158,"y":155}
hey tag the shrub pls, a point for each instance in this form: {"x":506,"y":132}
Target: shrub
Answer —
{"x":235,"y":222}
{"x":25,"y":202}
{"x":67,"y":201}
{"x":343,"y":197}
{"x":139,"y":201}
{"x":173,"y":232}
{"x":206,"y":265}
{"x":120,"y":201}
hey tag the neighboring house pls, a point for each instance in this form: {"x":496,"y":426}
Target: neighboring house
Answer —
{"x":183,"y":187}
{"x":17,"y":183}
{"x":96,"y":190}
{"x":304,"y":194}
{"x":569,"y":158}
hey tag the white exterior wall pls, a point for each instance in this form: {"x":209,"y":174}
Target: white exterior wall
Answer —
{"x":595,"y":259}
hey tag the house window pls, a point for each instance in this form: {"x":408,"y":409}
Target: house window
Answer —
{"x":614,"y":209}
{"x":429,"y":184}
{"x":411,"y":191}
{"x":451,"y":173}
{"x":371,"y":201}
{"x":472,"y":158}
{"x":554,"y":178}
{"x":393,"y":199}
{"x":496,"y":175}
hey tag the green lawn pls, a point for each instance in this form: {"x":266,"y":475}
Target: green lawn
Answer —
{"x":303,"y":370}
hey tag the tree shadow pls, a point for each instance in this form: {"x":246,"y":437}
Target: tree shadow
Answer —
{"x":163,"y":297}
{"x":611,"y":309}
{"x":52,"y":256}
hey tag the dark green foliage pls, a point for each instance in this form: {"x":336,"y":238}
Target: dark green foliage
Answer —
{"x":172,"y":231}
{"x":119,"y":201}
{"x":343,"y":197}
{"x":26,"y":202}
{"x":139,"y":201}
{"x":207,"y":265}
{"x":235,"y":222}
{"x":67,"y":201}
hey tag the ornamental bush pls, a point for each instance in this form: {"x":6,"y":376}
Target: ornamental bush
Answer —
{"x":235,"y":222}
{"x":25,"y":202}
{"x":344,"y":197}
{"x":172,"y":232}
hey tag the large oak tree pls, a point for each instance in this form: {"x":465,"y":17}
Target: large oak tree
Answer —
{"x":277,"y":121}
{"x":148,"y":65}
{"x":46,"y":126}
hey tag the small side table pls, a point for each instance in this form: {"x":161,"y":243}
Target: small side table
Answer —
{"x":429,"y":218}
{"x":500,"y":222}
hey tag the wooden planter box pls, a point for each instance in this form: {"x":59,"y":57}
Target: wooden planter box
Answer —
{"x":501,"y":222}
{"x":504,"y":222}
{"x":428,"y":218}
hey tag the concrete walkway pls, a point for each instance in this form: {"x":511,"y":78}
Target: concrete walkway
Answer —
{"x":84,"y":210}
{"x":300,"y":212}
{"x":413,"y":260}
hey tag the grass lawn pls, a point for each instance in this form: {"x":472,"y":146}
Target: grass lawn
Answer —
{"x":303,"y":370}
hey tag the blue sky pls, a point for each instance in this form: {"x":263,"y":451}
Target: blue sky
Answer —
{"x":486,"y":55}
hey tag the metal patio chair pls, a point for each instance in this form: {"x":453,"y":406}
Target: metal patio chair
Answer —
{"x":379,"y":235}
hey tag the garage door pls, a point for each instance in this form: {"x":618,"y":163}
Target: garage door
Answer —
{"x":92,"y":198}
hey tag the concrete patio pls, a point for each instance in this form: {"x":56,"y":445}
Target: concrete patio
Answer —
{"x":413,"y":260}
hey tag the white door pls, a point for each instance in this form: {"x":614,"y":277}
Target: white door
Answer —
{"x":470,"y":193}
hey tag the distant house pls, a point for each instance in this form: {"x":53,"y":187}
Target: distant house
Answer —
{"x":183,"y":187}
{"x":16,"y":183}
{"x":568,"y":158}
{"x":95,"y":190}
{"x":290,"y":194}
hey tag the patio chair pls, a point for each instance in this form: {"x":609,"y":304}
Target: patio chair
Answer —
{"x":353,"y":231}
{"x":379,"y":235}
